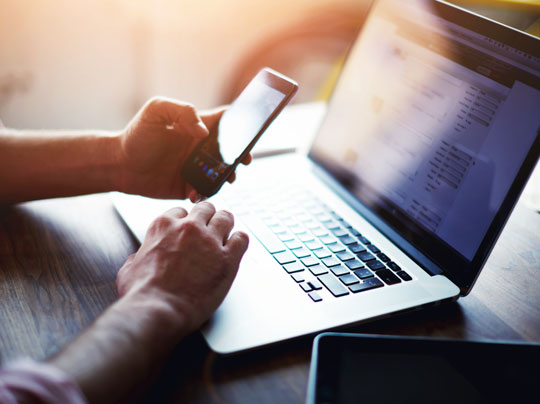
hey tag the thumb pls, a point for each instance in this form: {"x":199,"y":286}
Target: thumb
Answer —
{"x":212,"y":117}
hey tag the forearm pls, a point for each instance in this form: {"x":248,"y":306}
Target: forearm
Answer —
{"x":122,"y":349}
{"x":40,"y":164}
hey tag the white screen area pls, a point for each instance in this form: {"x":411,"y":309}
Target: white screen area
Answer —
{"x":245,"y":118}
{"x":422,"y":117}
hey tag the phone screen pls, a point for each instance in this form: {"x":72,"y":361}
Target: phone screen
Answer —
{"x":238,"y":127}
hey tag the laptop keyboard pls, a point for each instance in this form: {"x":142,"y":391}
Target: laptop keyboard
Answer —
{"x":313,"y":244}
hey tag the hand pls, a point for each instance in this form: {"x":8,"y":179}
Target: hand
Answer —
{"x":156,"y":144}
{"x":187,"y":262}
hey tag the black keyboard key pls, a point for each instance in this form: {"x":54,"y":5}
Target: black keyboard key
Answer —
{"x":367,"y":284}
{"x":345,"y":256}
{"x":318,"y":269}
{"x":404,"y":275}
{"x":353,"y":264}
{"x":293,"y":267}
{"x":393,"y":266}
{"x":331,"y":261}
{"x":309,"y":261}
{"x":364,"y":240}
{"x":333,"y":285}
{"x":301,"y":252}
{"x":388,"y":277}
{"x":347,"y":240}
{"x":383,"y":257}
{"x":284,"y":257}
{"x":366,"y":256}
{"x":339,"y":270}
{"x":357,"y":248}
{"x":348,"y":279}
{"x":375,"y":265}
{"x":336,"y":247}
{"x":373,"y":248}
{"x":363,"y":273}
{"x":315,"y":296}
{"x":322,"y":253}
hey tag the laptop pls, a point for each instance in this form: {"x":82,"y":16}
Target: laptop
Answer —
{"x":429,"y":138}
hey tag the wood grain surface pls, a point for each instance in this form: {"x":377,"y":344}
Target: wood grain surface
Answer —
{"x":58,"y":263}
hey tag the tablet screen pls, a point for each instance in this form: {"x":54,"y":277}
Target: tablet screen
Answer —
{"x":349,"y":368}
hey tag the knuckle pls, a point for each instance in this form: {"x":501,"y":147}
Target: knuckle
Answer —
{"x":160,"y":222}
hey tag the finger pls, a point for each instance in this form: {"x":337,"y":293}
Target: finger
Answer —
{"x":237,"y":245}
{"x":181,"y":116}
{"x":212,"y":117}
{"x":176,"y":213}
{"x":222,"y":223}
{"x":231,"y":178}
{"x":202,"y":212}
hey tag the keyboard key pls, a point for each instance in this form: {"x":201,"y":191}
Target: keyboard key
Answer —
{"x":284,"y":257}
{"x":315,"y":284}
{"x":345,"y":256}
{"x":328,"y":239}
{"x":364,"y":240}
{"x":319,"y":232}
{"x":293,"y":267}
{"x":357,"y":248}
{"x":298,"y":277}
{"x":339,"y":270}
{"x":367,"y":284}
{"x":287,"y":236}
{"x":366,"y":256}
{"x":374,"y":265}
{"x":347,"y":240}
{"x":267,"y":238}
{"x":322,"y":253}
{"x":306,"y":287}
{"x":293,"y":244}
{"x":315,"y":296}
{"x":310,"y":261}
{"x":330,"y":224}
{"x":353,"y":264}
{"x":383,"y":257}
{"x":336,"y":247}
{"x":388,"y":277}
{"x":314,"y":245}
{"x":331,"y":261}
{"x":393,"y":266}
{"x":373,"y":248}
{"x":404,"y":275}
{"x":318,"y":269}
{"x":333,"y":285}
{"x":340,"y":232}
{"x":348,"y":279}
{"x":363,"y":273}
{"x":301,"y":252}
{"x":305,"y":237}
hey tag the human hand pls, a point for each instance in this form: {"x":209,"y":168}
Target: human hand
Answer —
{"x":187,"y":261}
{"x":155,"y":145}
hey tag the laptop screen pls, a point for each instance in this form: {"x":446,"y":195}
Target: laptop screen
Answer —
{"x":432,"y":119}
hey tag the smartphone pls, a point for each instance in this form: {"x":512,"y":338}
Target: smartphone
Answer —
{"x":215,"y":158}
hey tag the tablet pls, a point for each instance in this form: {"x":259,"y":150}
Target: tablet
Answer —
{"x":359,"y":368}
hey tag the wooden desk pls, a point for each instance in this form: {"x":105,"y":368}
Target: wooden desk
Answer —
{"x":58,"y":262}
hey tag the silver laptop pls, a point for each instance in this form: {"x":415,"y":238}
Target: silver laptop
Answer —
{"x":430,"y":136}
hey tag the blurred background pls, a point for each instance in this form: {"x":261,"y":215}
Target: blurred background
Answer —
{"x":93,"y":63}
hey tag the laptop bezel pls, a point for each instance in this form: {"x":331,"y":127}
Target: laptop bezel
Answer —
{"x":457,"y":268}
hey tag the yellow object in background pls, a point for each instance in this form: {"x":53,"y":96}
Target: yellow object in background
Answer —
{"x":534,"y":29}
